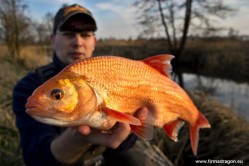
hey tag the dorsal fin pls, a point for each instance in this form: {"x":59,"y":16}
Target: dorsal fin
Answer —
{"x":161,"y":63}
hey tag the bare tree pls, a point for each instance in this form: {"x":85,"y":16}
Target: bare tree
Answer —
{"x":48,"y":21}
{"x":13,"y":25}
{"x":43,"y":29}
{"x":176,"y":19}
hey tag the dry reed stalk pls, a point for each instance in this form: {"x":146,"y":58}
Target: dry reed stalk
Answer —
{"x":153,"y":152}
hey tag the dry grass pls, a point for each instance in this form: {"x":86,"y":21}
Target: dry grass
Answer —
{"x":10,"y":73}
{"x":34,"y":56}
{"x":4,"y":50}
{"x":153,"y":152}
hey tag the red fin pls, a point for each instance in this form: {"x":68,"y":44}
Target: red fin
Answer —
{"x":201,"y":122}
{"x":146,"y":129}
{"x":172,"y":128}
{"x":121,"y":117}
{"x":161,"y":63}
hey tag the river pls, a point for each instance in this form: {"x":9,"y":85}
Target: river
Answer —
{"x":230,"y":93}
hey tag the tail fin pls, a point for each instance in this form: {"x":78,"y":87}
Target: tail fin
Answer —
{"x":201,"y":122}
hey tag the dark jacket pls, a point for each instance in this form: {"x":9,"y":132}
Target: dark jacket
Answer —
{"x":35,"y":137}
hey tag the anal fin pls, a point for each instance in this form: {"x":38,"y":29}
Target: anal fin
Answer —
{"x":172,"y":128}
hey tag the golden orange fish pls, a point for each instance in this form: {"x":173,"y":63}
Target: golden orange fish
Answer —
{"x":101,"y":91}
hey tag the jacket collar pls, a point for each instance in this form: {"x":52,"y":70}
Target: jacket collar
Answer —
{"x":58,"y":64}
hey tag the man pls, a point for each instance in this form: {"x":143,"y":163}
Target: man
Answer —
{"x":73,"y":38}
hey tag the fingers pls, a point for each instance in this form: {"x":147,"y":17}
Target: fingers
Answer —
{"x":84,"y":130}
{"x":111,"y":138}
{"x":119,"y":133}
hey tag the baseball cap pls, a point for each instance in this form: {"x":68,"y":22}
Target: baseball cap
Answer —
{"x":66,"y":12}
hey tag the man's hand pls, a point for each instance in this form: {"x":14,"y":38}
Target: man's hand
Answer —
{"x":113,"y":137}
{"x":75,"y":141}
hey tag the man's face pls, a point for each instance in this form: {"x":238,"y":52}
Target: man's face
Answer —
{"x":72,"y":42}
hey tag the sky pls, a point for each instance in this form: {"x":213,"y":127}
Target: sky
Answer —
{"x":117,"y":18}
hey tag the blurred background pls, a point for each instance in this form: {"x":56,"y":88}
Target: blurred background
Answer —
{"x":209,"y":40}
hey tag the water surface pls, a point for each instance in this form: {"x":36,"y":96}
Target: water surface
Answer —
{"x":230,"y":93}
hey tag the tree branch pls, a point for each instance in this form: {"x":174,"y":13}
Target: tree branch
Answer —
{"x":165,"y":25}
{"x":186,"y":26}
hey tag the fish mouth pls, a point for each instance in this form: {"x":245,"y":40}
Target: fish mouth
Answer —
{"x":40,"y":113}
{"x":44,"y":114}
{"x":51,"y":121}
{"x":35,"y":108}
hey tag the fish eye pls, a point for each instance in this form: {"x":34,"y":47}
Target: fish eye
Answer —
{"x":57,"y":94}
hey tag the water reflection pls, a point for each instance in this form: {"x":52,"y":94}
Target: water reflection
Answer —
{"x":228,"y":92}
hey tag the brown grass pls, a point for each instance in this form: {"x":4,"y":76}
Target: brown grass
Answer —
{"x":10,"y":73}
{"x":34,"y":56}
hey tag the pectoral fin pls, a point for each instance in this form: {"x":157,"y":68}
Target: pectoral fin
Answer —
{"x":120,"y":117}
